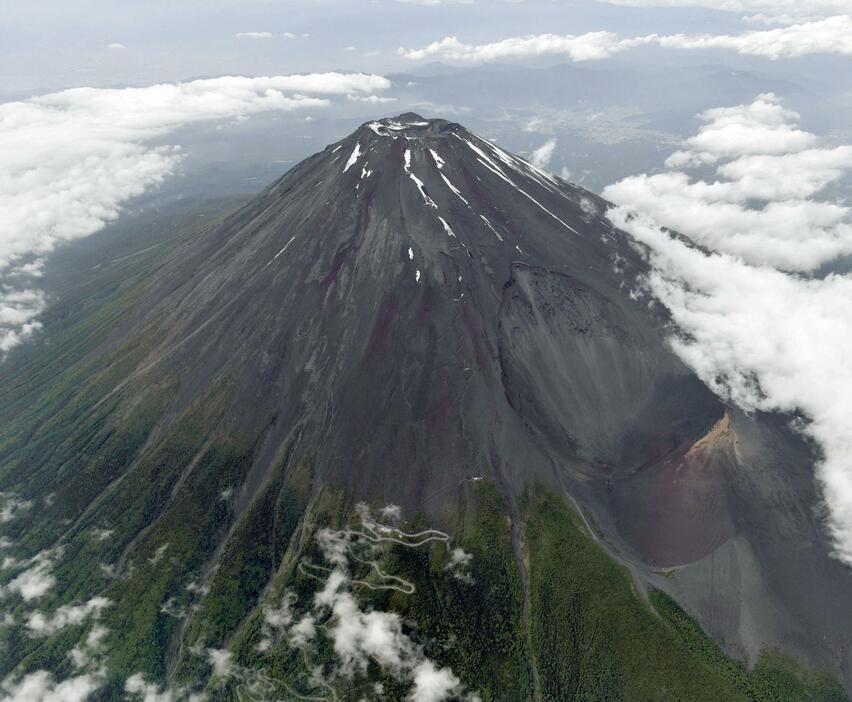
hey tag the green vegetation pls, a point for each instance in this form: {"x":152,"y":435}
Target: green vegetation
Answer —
{"x":775,"y":677}
{"x":71,"y":429}
{"x":482,"y":617}
{"x":596,"y":639}
{"x":471,"y":625}
{"x":324,"y":508}
{"x":167,"y":558}
{"x":69,"y":421}
{"x":251,"y":557}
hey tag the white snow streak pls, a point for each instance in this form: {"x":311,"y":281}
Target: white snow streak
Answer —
{"x":488,"y":224}
{"x":353,"y":158}
{"x":447,"y":227}
{"x":365,"y":173}
{"x":285,"y":248}
{"x":454,"y":189}
{"x":419,"y":183}
{"x":494,"y":168}
{"x":487,"y":162}
{"x":564,"y":224}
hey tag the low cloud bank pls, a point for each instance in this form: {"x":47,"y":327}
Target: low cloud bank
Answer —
{"x":760,"y":337}
{"x":760,"y":207}
{"x":828,"y":35}
{"x":72,"y":159}
{"x":756,"y":10}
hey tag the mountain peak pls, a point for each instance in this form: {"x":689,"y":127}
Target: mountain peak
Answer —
{"x":408,"y":117}
{"x":407,"y":124}
{"x":373,"y":290}
{"x":431,"y":176}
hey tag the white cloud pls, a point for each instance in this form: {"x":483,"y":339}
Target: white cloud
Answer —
{"x":764,"y":339}
{"x":84,"y":653}
{"x":194,"y":588}
{"x":761,"y":205}
{"x":303,"y":631}
{"x":359,"y":636}
{"x":72,"y":159}
{"x":222,"y":662}
{"x":335,"y":620}
{"x":281,"y":616}
{"x":762,"y":127}
{"x":275,"y":621}
{"x":436,"y":2}
{"x":138,"y":688}
{"x":86,"y":657}
{"x":459,"y":557}
{"x":459,"y":565}
{"x":149,"y":692}
{"x":768,"y":8}
{"x":41,"y":624}
{"x":541,"y":156}
{"x":820,"y":36}
{"x":12,"y":505}
{"x":41,"y":687}
{"x":433,"y":684}
{"x":116,"y":45}
{"x":37,"y":580}
{"x":392,"y":512}
{"x":253,"y":35}
{"x":101,"y":534}
{"x":372,"y":99}
{"x":158,"y":554}
{"x":583,"y":47}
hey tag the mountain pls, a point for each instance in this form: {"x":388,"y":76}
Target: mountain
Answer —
{"x":401,"y":426}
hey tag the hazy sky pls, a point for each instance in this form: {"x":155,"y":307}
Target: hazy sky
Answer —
{"x":54,"y":44}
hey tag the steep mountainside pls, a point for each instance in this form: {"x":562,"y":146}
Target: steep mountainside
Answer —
{"x":417,"y":325}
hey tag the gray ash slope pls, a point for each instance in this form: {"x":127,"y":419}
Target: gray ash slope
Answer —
{"x":392,"y":291}
{"x":416,"y":310}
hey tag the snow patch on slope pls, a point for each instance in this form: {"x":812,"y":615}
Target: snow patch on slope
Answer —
{"x":356,"y":152}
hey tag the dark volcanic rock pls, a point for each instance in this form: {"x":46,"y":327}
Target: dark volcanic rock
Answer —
{"x":420,"y":300}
